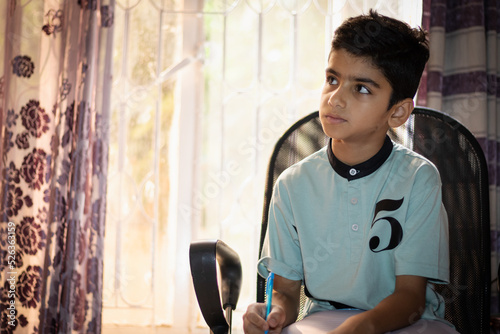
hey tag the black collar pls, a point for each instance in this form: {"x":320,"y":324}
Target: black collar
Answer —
{"x":363,"y":169}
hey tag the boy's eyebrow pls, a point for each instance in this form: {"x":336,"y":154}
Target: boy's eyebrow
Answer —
{"x":357,"y":79}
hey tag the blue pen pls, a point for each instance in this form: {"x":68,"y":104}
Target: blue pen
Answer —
{"x":269,"y":294}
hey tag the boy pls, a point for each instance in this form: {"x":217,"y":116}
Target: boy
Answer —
{"x":360,"y":223}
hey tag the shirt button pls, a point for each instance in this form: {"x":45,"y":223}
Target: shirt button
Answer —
{"x":354,"y":201}
{"x":355,"y":227}
{"x":353,"y":172}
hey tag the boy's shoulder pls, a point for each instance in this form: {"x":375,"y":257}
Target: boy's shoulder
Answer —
{"x":308,"y":164}
{"x":404,"y":153}
{"x":409,"y":161}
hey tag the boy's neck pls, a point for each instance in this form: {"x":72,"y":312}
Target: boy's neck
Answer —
{"x":354,"y":153}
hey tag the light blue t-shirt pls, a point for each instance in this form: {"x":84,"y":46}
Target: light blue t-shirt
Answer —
{"x":347,"y":232}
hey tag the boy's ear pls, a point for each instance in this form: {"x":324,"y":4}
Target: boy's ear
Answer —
{"x":400,"y":112}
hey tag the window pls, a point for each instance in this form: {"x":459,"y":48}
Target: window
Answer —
{"x":202,"y":90}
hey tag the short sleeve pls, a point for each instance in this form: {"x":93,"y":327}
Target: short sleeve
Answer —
{"x":424,"y":250}
{"x":281,"y":252}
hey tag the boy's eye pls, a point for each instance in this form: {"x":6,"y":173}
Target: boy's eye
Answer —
{"x":331,"y":80}
{"x":362,"y":89}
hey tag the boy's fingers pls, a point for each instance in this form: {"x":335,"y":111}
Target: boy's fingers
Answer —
{"x":257,"y":321}
{"x":273,"y":320}
{"x":253,"y":319}
{"x":258,"y":308}
{"x":276,"y":317}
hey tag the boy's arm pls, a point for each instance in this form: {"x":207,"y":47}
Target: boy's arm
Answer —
{"x":400,"y":309}
{"x":285,"y":308}
{"x":286,"y":293}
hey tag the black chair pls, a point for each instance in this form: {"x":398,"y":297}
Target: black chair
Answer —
{"x":462,"y":165}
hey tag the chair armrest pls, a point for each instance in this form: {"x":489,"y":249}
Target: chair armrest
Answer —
{"x":203,"y":257}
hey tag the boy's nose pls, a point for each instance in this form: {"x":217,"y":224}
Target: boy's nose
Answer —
{"x":337,"y":98}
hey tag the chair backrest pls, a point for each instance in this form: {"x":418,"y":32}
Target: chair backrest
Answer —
{"x":462,"y":165}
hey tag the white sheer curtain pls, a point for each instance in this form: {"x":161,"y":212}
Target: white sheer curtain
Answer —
{"x":219,"y":84}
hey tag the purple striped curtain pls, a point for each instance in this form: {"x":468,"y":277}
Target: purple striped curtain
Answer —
{"x":462,"y":79}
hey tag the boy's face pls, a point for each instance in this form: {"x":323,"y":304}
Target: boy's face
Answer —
{"x":354,"y":100}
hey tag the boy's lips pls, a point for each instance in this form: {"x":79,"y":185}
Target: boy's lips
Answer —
{"x":334,"y":119}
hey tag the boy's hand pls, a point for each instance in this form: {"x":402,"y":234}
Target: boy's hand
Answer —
{"x":254,"y":322}
{"x":286,"y":300}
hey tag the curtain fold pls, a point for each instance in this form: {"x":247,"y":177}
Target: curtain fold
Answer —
{"x":462,"y":79}
{"x":54,"y":131}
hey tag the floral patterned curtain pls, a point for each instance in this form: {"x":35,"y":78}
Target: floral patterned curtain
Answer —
{"x":54,"y":88}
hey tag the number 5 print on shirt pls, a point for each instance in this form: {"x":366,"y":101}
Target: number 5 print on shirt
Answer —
{"x":382,"y":231}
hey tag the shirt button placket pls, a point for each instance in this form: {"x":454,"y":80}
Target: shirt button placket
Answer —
{"x":355,"y":216}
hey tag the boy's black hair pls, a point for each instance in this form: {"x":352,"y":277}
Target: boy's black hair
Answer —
{"x":399,"y":51}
